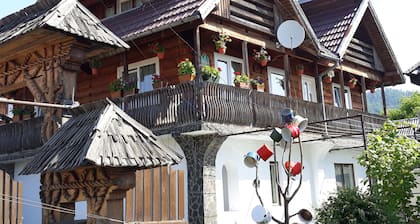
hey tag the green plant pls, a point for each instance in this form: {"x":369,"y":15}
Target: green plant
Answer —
{"x":330,"y":74}
{"x":157,"y":48}
{"x":390,"y":159}
{"x":95,"y":63}
{"x":257,"y":81}
{"x":221,"y":40}
{"x":300,"y":67}
{"x":352,"y":206}
{"x":241,"y":78}
{"x":120,"y":85}
{"x":261,"y":55}
{"x":156,"y":78}
{"x":210,"y":72}
{"x":23,"y":111}
{"x":353,"y":81}
{"x":186,"y":67}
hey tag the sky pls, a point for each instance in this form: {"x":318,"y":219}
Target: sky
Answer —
{"x":398,"y":20}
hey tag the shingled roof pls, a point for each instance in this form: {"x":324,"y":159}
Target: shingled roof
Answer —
{"x":157,"y":15}
{"x":69,"y":16}
{"x":101,"y":134}
{"x":332,"y":20}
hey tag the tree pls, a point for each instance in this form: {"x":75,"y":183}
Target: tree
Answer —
{"x":352,"y":206}
{"x":409,"y":107}
{"x":390,"y":159}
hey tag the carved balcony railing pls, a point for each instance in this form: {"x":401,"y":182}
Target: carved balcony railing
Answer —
{"x":186,"y":107}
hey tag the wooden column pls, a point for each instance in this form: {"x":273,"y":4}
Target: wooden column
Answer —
{"x":245,"y":56}
{"x":342,"y":93}
{"x":114,"y":205}
{"x":364,"y":99}
{"x":383,"y":98}
{"x":287,"y":73}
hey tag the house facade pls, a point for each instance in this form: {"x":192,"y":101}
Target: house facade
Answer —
{"x":213,"y":125}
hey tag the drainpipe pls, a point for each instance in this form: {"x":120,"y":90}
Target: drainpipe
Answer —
{"x":31,"y":103}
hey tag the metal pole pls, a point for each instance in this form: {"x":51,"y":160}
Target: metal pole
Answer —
{"x":31,"y":103}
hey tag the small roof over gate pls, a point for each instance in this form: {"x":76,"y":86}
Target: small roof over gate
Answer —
{"x":101,"y":134}
{"x":69,"y":16}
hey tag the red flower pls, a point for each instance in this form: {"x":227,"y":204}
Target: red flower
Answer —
{"x":218,"y":68}
{"x":237,"y":73}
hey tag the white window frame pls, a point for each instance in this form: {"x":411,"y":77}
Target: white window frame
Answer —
{"x":229,"y":60}
{"x":352,"y":179}
{"x":272,"y":82}
{"x":347,"y":95}
{"x":137,"y":65}
{"x":312,"y":87}
{"x":119,"y":2}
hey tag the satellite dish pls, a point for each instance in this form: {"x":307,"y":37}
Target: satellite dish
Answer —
{"x":290,"y":34}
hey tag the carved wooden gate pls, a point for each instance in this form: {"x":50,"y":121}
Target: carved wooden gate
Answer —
{"x":11,"y":203}
{"x":158,"y":197}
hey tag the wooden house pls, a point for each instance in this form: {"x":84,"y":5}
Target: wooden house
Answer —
{"x":211,"y":124}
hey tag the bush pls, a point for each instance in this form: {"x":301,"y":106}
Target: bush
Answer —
{"x":352,"y":206}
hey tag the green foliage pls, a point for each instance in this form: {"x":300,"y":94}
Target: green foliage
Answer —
{"x":409,"y":107}
{"x":352,"y":206}
{"x":390,"y":160}
{"x":186,"y":67}
{"x":241,"y":78}
{"x":392,"y":97}
{"x":210,"y":73}
{"x":120,"y":85}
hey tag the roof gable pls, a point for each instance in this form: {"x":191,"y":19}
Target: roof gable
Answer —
{"x":69,"y":16}
{"x":101,"y":134}
{"x":157,"y":15}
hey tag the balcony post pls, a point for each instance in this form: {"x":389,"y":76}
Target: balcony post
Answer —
{"x":383,"y":98}
{"x":342,"y":93}
{"x":364,"y":99}
{"x":200,"y":152}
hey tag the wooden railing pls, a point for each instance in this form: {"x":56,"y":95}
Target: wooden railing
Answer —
{"x":184,"y":107}
{"x":11,"y":203}
{"x":20,"y":136}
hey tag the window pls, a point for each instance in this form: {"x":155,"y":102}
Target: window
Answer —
{"x":229,"y":65}
{"x":276,"y":81}
{"x":344,"y":175}
{"x":337,"y":96}
{"x":308,"y":88}
{"x":141,"y":73}
{"x":109,"y":11}
{"x":124,"y":5}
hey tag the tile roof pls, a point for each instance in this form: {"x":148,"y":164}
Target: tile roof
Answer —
{"x":331,"y":20}
{"x":155,"y":15}
{"x":102,"y":134}
{"x":69,"y":16}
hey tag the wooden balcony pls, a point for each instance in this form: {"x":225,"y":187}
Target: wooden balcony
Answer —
{"x":187,"y":107}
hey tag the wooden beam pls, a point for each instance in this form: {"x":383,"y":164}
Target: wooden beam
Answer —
{"x":363,"y":84}
{"x":15,"y":86}
{"x":383,"y":99}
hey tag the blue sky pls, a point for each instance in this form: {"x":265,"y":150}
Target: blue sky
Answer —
{"x":398,"y":19}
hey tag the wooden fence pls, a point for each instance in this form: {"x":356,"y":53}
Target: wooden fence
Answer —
{"x":11,"y":203}
{"x":158,"y":197}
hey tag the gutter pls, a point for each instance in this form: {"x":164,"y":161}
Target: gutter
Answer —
{"x":31,"y":103}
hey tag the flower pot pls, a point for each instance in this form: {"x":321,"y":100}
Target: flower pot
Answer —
{"x":221,"y":50}
{"x":186,"y":78}
{"x":116,"y":94}
{"x":299,"y":72}
{"x":327,"y":79}
{"x":95,"y":71}
{"x":131,"y":91}
{"x":263,"y":62}
{"x":157,"y":85}
{"x":242,"y":85}
{"x":259,"y":87}
{"x":160,"y":55}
